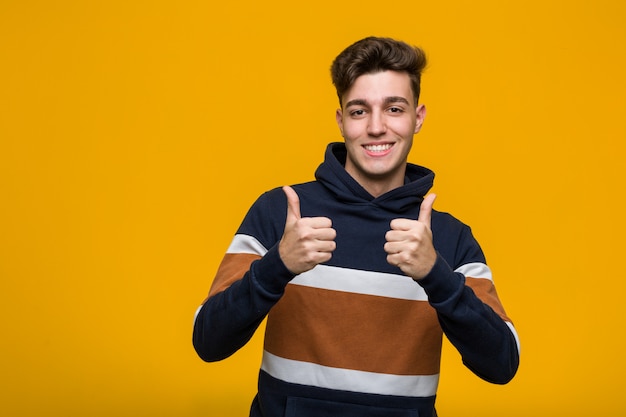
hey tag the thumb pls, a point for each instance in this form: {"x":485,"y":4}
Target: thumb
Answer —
{"x":426,"y":209}
{"x":293,"y":204}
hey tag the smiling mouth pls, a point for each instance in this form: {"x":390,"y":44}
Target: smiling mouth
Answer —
{"x":378,"y":148}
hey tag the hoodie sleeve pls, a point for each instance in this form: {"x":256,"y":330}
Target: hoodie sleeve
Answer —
{"x":471,"y":314}
{"x":249,"y":281}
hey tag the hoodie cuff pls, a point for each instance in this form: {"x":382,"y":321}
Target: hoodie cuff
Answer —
{"x":442,"y":283}
{"x":270,"y":272}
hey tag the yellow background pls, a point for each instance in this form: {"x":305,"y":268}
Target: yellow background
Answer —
{"x":134,"y":135}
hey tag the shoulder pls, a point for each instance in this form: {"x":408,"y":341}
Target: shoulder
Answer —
{"x":274,"y":201}
{"x":306,"y":189}
{"x":455,"y":240}
{"x":446,"y":222}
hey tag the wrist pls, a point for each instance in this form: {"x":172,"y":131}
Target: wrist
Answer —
{"x":441,"y":282}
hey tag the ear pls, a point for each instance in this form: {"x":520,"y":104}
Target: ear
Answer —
{"x":420,"y":115}
{"x":339,"y":119}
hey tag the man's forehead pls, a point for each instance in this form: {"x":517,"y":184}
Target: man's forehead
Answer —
{"x":383,"y":87}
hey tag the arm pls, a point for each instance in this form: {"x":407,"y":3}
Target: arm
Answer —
{"x":229,"y":318}
{"x":484,"y":339}
{"x":251,"y":279}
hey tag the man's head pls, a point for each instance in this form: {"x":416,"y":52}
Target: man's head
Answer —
{"x":377,"y":81}
{"x":372,"y":55}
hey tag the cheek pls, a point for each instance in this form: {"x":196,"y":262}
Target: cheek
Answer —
{"x":404,"y":129}
{"x":351,"y":130}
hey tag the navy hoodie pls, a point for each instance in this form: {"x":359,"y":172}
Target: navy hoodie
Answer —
{"x":354,"y":336}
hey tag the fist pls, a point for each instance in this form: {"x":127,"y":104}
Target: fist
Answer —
{"x":409,"y":243}
{"x":306,"y":241}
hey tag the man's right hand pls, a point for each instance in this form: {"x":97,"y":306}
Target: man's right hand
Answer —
{"x":306,"y":241}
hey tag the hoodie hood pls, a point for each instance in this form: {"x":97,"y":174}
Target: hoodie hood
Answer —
{"x":332,"y":175}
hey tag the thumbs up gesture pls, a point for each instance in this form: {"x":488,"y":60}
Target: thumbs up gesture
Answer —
{"x":306,"y":241}
{"x":409,"y":243}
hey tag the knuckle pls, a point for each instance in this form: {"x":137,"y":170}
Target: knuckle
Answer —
{"x":305,"y":234}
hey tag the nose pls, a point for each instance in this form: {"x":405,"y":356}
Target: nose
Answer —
{"x":376,"y":124}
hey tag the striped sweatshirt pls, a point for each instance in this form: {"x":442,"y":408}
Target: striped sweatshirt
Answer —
{"x":354,"y":336}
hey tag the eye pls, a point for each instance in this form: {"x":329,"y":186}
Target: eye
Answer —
{"x":357,"y":112}
{"x":396,"y":110}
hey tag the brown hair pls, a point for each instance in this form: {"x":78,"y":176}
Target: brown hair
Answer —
{"x":373,"y":54}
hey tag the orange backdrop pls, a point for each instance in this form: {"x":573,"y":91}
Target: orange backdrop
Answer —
{"x":134,"y":135}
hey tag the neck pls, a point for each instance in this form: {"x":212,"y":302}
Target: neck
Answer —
{"x":377,"y":186}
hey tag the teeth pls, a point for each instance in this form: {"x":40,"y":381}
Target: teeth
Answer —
{"x":378,"y":148}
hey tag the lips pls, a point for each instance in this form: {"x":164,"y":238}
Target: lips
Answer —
{"x":378,"y":149}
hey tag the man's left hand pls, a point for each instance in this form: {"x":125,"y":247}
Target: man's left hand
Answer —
{"x":410,"y":242}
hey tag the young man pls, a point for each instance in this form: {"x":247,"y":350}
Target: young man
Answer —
{"x":358,"y":277}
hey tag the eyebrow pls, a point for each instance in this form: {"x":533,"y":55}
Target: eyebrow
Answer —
{"x":388,"y":100}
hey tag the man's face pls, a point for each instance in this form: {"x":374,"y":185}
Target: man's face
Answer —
{"x":378,"y":120}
